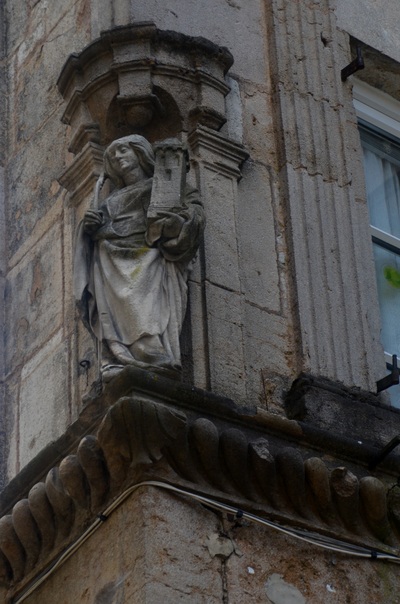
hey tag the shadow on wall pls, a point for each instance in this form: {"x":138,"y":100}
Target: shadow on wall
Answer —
{"x":111,"y":593}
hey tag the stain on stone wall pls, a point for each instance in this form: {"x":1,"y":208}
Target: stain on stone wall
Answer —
{"x":281,"y":592}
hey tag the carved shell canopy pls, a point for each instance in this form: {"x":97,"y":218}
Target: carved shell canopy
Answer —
{"x":141,"y":79}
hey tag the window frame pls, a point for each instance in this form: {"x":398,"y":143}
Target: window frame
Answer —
{"x":377,"y":109}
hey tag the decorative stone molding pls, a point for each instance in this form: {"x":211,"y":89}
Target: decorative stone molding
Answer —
{"x":138,"y":79}
{"x":167,"y":431}
{"x":81,"y":176}
{"x":132,"y":76}
{"x":217,"y":152}
{"x":321,"y":174}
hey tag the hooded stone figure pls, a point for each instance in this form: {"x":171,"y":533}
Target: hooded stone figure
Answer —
{"x":131,"y":270}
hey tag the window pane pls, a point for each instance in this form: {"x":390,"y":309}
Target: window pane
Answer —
{"x":387,"y":266}
{"x":382,"y":169}
{"x":383,"y":192}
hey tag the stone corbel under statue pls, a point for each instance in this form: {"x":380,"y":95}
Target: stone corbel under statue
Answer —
{"x":133,"y":257}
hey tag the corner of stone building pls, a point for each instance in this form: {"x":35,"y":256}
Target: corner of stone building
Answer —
{"x":178,"y":492}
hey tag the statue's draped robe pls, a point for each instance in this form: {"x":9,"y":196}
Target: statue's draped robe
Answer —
{"x":128,"y":290}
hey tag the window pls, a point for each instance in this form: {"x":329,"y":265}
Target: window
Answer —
{"x":379,"y":124}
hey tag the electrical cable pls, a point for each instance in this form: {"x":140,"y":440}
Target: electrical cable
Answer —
{"x":333,"y":545}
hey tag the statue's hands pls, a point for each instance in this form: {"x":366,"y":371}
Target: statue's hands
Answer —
{"x":171,"y":224}
{"x":177,"y":234}
{"x":92,"y":221}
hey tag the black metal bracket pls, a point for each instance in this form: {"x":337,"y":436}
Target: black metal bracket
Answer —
{"x":385,"y":452}
{"x":390,"y":380}
{"x":354,"y":66}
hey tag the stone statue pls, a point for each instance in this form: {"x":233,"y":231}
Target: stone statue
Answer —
{"x":133,"y":255}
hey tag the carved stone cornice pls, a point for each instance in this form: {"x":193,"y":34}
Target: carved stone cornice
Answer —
{"x":80,"y":177}
{"x":143,"y":426}
{"x":217,"y":152}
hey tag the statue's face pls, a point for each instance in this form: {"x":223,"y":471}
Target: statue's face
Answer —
{"x":123,"y":159}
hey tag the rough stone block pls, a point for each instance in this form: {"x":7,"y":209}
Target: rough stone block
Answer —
{"x":259,"y":128}
{"x":375,"y":26}
{"x":258,"y":255}
{"x":137,"y":557}
{"x":235,"y":24}
{"x":279,"y":569}
{"x":220,"y":240}
{"x":45,"y":42}
{"x":225,"y":337}
{"x":9,"y":410}
{"x":268,"y":347}
{"x":3,"y":268}
{"x":69,"y":235}
{"x":351,"y":412}
{"x":198,"y":335}
{"x":84,"y":364}
{"x":18,"y":19}
{"x":32,"y":173}
{"x":34,"y":293}
{"x":100,"y":17}
{"x":44,"y":404}
{"x":31,"y":23}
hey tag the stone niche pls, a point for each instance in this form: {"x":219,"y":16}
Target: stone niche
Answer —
{"x":141,"y":78}
{"x":161,"y":84}
{"x":138,"y":79}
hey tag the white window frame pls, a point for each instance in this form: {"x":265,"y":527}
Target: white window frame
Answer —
{"x":383,"y":111}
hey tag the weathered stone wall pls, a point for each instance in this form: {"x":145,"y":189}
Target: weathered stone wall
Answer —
{"x":3,"y":264}
{"x":41,"y":373}
{"x":43,"y":341}
{"x":288,"y":280}
{"x":297,"y":293}
{"x":160,"y":548}
{"x":253,"y":304}
{"x":373,"y":26}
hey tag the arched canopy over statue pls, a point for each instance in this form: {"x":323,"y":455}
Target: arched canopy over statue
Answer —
{"x":133,"y":255}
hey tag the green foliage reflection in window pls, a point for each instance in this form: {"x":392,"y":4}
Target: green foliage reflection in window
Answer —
{"x":392,"y":275}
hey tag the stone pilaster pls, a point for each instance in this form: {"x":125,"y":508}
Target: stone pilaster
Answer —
{"x":334,"y":281}
{"x":215,"y":287}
